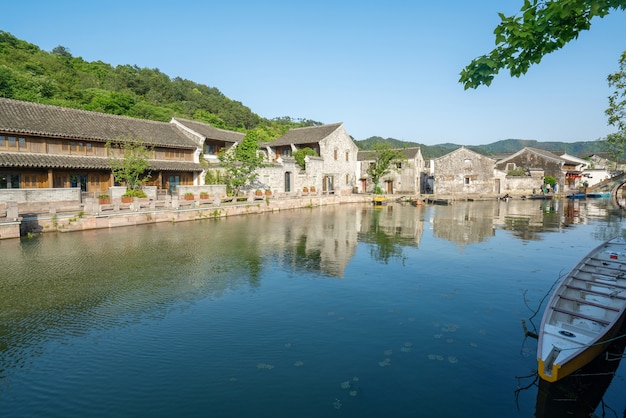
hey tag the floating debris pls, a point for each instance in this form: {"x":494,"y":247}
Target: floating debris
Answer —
{"x":388,"y":352}
{"x":408,"y":344}
{"x":298,"y":363}
{"x":287,"y":345}
{"x":432,"y":356}
{"x":453,"y":359}
{"x":337,"y":404}
{"x":406,"y":349}
{"x":438,"y":336}
{"x":473,"y":345}
{"x":353,"y":393}
{"x":440,"y":358}
{"x":355,"y":379}
{"x":265,"y":366}
{"x":386,"y":362}
{"x":345,"y":385}
{"x":450,"y":340}
{"x":331,"y":313}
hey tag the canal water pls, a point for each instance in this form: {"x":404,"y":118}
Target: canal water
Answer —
{"x":345,"y":311}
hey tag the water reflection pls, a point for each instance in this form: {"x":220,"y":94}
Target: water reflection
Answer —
{"x":59,"y":286}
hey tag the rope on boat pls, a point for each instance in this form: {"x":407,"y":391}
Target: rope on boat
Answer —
{"x":610,"y":340}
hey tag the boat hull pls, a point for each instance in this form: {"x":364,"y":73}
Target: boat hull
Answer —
{"x":585,"y":311}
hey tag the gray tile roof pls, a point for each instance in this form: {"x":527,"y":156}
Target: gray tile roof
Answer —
{"x":210,"y":132}
{"x":28,"y":160}
{"x":370,"y":155}
{"x":59,"y":122}
{"x":308,"y":135}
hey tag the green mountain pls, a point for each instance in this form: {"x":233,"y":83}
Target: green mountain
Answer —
{"x":507,"y":146}
{"x":57,"y":78}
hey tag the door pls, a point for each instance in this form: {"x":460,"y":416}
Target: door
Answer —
{"x":79,"y":180}
{"x":327,"y":184}
{"x":389,"y":187}
{"x":174,"y":182}
{"x":287,"y":182}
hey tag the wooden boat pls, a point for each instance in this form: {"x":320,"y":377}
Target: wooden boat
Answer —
{"x":380,"y":201}
{"x":579,"y":394}
{"x":585,"y":311}
{"x":577,"y":196}
{"x":599,"y":195}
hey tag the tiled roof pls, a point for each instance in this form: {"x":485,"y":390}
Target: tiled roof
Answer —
{"x":59,"y":122}
{"x":28,"y":160}
{"x":370,"y":155}
{"x":210,"y":132}
{"x":308,"y":135}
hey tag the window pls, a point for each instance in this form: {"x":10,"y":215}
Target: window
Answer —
{"x":88,"y":148}
{"x":9,"y":181}
{"x":467,"y":181}
{"x":210,"y":149}
{"x":3,"y":141}
{"x":347,"y":179}
{"x":510,"y":166}
{"x":347,"y":155}
{"x":21,"y":143}
{"x":335,"y":154}
{"x":12,"y":142}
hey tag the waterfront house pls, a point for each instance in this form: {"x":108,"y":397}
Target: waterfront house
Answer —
{"x":463,"y":172}
{"x":526,"y":169}
{"x":406,"y":178}
{"x":210,"y":141}
{"x":332,"y":171}
{"x":51,"y":147}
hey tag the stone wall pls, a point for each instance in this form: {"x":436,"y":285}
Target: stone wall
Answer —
{"x":40,"y":195}
{"x":463,"y":172}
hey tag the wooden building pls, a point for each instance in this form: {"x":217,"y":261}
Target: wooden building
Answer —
{"x":43,"y":146}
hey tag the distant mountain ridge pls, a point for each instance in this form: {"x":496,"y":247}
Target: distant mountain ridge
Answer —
{"x":505,"y":146}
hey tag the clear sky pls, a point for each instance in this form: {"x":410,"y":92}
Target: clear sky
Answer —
{"x":383,"y":68}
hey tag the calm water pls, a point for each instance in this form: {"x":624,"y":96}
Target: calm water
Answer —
{"x":344,"y":311}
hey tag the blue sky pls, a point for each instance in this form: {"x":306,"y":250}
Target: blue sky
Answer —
{"x":383,"y":68}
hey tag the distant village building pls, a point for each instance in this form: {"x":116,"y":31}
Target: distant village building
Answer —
{"x":463,"y":171}
{"x":405,"y":178}
{"x":535,"y":164}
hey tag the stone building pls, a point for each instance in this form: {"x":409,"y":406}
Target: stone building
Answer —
{"x":535,"y":164}
{"x":405,"y":179}
{"x":463,"y":171}
{"x":332,"y":171}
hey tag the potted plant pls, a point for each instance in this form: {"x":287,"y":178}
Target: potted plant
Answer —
{"x":104,"y":199}
{"x":129,"y":194}
{"x":312,"y":189}
{"x":189,"y":196}
{"x":268,"y":192}
{"x":258,"y":192}
{"x":204,"y":195}
{"x":305,"y":189}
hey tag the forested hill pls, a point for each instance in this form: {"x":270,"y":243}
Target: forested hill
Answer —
{"x":500,"y":147}
{"x":57,"y":78}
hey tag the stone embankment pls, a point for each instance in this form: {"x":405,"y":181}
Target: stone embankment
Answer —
{"x":23,"y":220}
